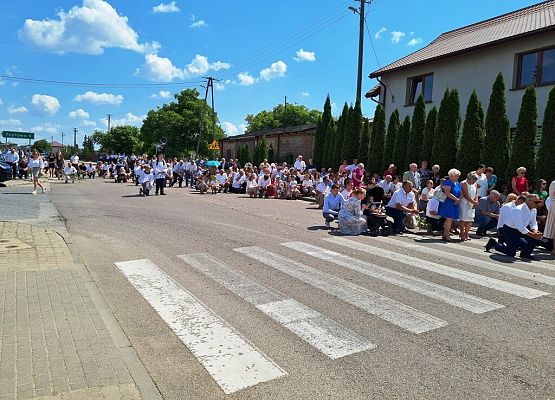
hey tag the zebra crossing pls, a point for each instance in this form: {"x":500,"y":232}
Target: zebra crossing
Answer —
{"x":235,"y":363}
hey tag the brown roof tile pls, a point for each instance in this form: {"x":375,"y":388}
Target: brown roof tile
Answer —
{"x":526,"y":21}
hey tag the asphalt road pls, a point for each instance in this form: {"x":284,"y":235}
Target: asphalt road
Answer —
{"x":504,"y":353}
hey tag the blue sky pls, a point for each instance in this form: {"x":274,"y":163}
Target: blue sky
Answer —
{"x":261,"y":52}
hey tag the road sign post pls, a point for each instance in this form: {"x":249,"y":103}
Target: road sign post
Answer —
{"x":214,"y":146}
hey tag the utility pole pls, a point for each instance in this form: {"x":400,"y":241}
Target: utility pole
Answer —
{"x":284,"y":125}
{"x":209,"y":87}
{"x":109,"y":122}
{"x":74,"y":139}
{"x":361,"y":14}
{"x":62,"y":139}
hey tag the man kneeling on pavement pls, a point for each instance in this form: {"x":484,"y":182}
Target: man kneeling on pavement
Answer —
{"x":520,"y":230}
{"x":401,"y":204}
{"x":332,"y":204}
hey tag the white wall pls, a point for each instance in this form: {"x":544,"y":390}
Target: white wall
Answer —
{"x":476,"y":70}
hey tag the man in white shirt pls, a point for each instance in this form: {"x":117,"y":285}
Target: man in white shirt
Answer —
{"x":223,"y":181}
{"x":432,"y":215}
{"x":322,"y":189}
{"x":190,"y":170}
{"x":300,"y":165}
{"x":238,"y":185}
{"x":264,"y":183}
{"x":351,"y":168}
{"x":70,"y":172}
{"x":74,"y":160}
{"x":388,"y":187}
{"x":520,"y":230}
{"x":145,"y":179}
{"x":12,"y":158}
{"x":402,"y":203}
{"x":504,"y":213}
{"x":178,"y":173}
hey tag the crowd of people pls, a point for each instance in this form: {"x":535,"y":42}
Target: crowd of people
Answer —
{"x":361,"y":202}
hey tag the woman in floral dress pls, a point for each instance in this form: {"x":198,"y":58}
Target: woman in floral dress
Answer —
{"x":352,"y":221}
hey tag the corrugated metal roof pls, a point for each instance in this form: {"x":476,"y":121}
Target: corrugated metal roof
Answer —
{"x":529,"y":20}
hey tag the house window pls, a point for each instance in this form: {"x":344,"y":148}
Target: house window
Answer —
{"x":417,"y":85}
{"x":536,"y":68}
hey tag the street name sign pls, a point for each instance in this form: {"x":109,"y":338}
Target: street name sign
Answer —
{"x":18,"y":135}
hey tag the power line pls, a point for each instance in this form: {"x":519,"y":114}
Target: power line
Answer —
{"x":95,"y":84}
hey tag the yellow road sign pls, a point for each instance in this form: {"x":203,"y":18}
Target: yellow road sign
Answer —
{"x":214,"y":146}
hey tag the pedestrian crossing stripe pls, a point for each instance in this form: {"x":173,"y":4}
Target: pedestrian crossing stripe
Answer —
{"x":478,"y":249}
{"x":232,"y":361}
{"x":474,"y":262}
{"x":326,"y":335}
{"x":392,"y":311}
{"x":435,"y":291}
{"x":480,"y":280}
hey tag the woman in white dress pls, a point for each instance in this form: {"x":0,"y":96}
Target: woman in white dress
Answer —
{"x":467,"y":205}
{"x":549,"y":230}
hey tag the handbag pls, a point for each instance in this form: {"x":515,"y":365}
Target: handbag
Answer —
{"x":440,"y":196}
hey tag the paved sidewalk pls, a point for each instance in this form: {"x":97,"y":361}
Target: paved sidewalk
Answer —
{"x":56,"y":339}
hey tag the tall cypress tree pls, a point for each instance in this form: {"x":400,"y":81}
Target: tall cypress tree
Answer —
{"x":320,"y":137}
{"x":400,"y":149}
{"x":352,"y":132}
{"x":545,"y":166}
{"x":340,"y":135}
{"x":440,"y":125}
{"x":447,"y":132}
{"x":429,"y":136}
{"x":328,"y":156}
{"x":416,"y":136}
{"x":495,"y":152}
{"x":377,"y":141}
{"x":472,"y":139}
{"x":364,"y":142}
{"x":392,"y":132}
{"x":523,"y":147}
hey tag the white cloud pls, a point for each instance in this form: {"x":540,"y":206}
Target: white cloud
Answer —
{"x":414,"y":42}
{"x":88,"y":123}
{"x":378,"y":34}
{"x":197,"y":23}
{"x":128,"y":119}
{"x":245,"y":79}
{"x":233,"y":130}
{"x":99,"y":98}
{"x":45,"y":103}
{"x":16,"y":110}
{"x":164,"y":94}
{"x":219,"y":86}
{"x":88,"y":29}
{"x":305,"y":94}
{"x":10,"y":122}
{"x":46,"y":128}
{"x":303,"y":55}
{"x":397,"y":36}
{"x":80,"y":113}
{"x":162,"y":69}
{"x":1,"y":101}
{"x":171,"y":7}
{"x":276,"y":70}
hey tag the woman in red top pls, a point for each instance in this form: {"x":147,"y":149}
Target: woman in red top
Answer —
{"x":519,"y":182}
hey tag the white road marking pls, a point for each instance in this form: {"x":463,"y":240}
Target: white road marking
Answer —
{"x":399,"y":314}
{"x":480,"y":250}
{"x":487,"y":265}
{"x":492,"y":283}
{"x":447,"y":295}
{"x":229,"y":358}
{"x":326,"y":335}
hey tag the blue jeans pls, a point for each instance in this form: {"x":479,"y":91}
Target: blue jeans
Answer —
{"x":398,"y":218}
{"x":485,"y":223}
{"x":330,"y":217}
{"x":515,"y":240}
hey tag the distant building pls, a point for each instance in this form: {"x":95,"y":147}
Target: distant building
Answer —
{"x":286,"y":143}
{"x":520,"y":45}
{"x":57,"y":146}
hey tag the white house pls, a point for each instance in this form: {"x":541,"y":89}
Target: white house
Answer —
{"x":520,"y":45}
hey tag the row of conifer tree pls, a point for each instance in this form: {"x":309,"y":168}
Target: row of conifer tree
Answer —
{"x":437,"y":137}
